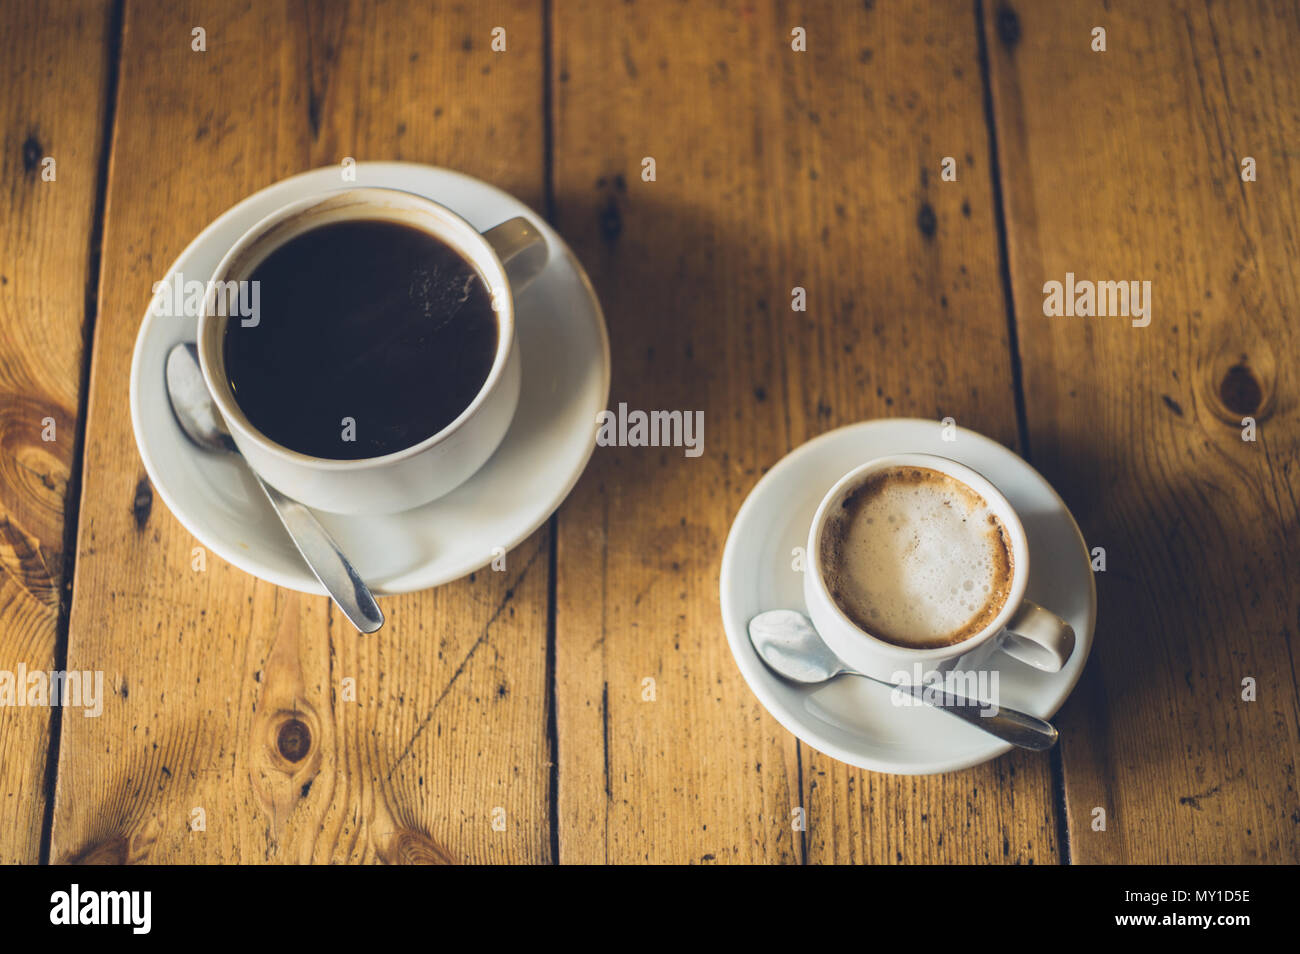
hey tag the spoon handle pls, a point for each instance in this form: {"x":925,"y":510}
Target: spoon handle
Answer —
{"x":326,"y":560}
{"x":1009,"y":725}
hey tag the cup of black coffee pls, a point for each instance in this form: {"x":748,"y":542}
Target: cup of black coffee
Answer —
{"x":361,"y":346}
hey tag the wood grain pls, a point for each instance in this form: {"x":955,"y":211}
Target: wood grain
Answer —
{"x":1125,"y":165}
{"x":774,"y":169}
{"x":228,"y":692}
{"x":53,"y":110}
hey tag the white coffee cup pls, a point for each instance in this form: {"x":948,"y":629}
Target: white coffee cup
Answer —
{"x":507,"y":256}
{"x":1022,"y":629}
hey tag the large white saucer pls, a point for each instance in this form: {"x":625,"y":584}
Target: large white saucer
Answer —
{"x":566,"y":366}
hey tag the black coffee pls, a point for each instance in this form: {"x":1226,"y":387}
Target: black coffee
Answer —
{"x":370,"y":337}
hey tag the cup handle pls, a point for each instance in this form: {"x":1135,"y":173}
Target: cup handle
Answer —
{"x":1038,"y":638}
{"x":521,"y":248}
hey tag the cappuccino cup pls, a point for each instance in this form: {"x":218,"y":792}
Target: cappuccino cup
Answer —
{"x":917,"y":559}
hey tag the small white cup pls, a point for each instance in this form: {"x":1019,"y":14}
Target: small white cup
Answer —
{"x":1022,"y":630}
{"x":507,"y":256}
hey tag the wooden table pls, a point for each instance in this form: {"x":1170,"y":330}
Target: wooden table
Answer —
{"x":500,"y":718}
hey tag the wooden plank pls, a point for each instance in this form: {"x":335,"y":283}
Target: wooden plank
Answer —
{"x":774,"y":169}
{"x":1124,"y":165}
{"x":227,"y":690}
{"x":55,"y":64}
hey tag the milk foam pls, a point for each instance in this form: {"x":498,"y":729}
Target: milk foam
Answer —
{"x":917,"y":558}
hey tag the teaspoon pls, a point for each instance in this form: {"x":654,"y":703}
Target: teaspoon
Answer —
{"x":787,"y":642}
{"x":198,"y":418}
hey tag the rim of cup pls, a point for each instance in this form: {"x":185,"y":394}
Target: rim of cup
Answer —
{"x":370,"y":203}
{"x":966,"y":475}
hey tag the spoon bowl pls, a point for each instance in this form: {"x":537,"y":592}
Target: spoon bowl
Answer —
{"x":191,"y":405}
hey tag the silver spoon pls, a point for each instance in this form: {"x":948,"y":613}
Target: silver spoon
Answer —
{"x":787,"y":642}
{"x":198,"y":418}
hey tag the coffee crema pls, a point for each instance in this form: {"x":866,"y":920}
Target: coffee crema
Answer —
{"x":917,"y":558}
{"x":372,"y":337}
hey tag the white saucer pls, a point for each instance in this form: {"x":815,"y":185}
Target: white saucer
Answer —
{"x":565,"y":385}
{"x":851,"y":719}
